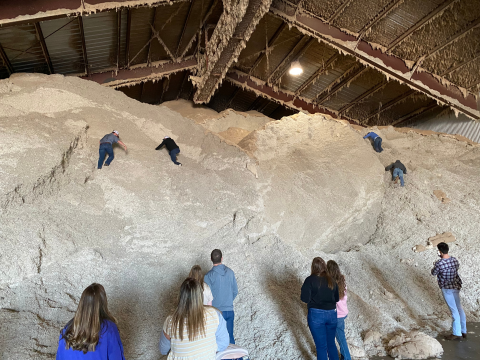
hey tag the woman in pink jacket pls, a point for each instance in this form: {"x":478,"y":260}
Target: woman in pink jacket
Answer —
{"x":342,"y":310}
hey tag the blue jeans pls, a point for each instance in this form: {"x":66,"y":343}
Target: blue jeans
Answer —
{"x":323,"y":326}
{"x":377,"y":144}
{"x":105,"y":148}
{"x":398,"y":172}
{"x":173,"y":155}
{"x":452,"y":298}
{"x":342,"y":340}
{"x":229,"y":317}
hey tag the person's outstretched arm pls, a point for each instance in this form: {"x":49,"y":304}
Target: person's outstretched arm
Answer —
{"x":160,"y":146}
{"x":366,"y":136}
{"x":123,"y":145}
{"x":388,"y":167}
{"x":165,"y":343}
{"x":221,"y":335}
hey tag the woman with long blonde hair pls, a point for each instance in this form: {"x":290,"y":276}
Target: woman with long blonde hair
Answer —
{"x":197,"y":274}
{"x":194,"y":331}
{"x":342,"y":310}
{"x":320,"y":292}
{"x":92,"y":333}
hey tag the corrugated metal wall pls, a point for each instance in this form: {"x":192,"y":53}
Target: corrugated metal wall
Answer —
{"x":448,"y":123}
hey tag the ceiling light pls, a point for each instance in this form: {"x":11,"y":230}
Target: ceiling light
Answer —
{"x":296,"y":68}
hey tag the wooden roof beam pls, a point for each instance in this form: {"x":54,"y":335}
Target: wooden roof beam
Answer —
{"x":40,"y":37}
{"x":152,"y":34}
{"x":227,"y":42}
{"x":453,"y":38}
{"x":5,"y":60}
{"x":339,"y":11}
{"x":270,"y":44}
{"x":419,"y":24}
{"x":463,"y":63}
{"x":415,"y":114}
{"x":390,"y":104}
{"x":294,"y":55}
{"x":366,"y":94}
{"x":177,"y":53}
{"x":321,"y":70}
{"x":379,"y":16}
{"x":84,"y":46}
{"x":328,"y":93}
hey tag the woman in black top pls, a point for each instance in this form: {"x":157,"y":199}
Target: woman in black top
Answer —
{"x":320,"y":292}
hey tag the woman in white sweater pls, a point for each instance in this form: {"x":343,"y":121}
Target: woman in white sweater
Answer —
{"x":197,"y":274}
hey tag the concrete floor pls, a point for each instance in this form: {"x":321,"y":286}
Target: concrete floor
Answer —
{"x":457,"y":350}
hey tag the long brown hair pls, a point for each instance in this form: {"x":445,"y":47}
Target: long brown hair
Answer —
{"x":319,"y":268}
{"x":189,"y":312}
{"x":197,"y":274}
{"x":83,"y":331}
{"x":334,"y":271}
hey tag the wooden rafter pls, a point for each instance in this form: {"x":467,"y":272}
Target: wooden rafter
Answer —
{"x":324,"y":95}
{"x":463,"y":63}
{"x":152,"y":33}
{"x":321,"y":70}
{"x":390,"y":104}
{"x":453,"y":38}
{"x":296,"y":53}
{"x":415,"y":114}
{"x":270,"y":44}
{"x":229,"y":102}
{"x":166,"y":85}
{"x":127,"y":44}
{"x":84,"y":46}
{"x":366,"y":94}
{"x":419,"y":24}
{"x":40,"y":37}
{"x":184,"y":28}
{"x":5,"y":60}
{"x":339,"y":10}
{"x":119,"y":34}
{"x":201,"y":25}
{"x":379,"y":16}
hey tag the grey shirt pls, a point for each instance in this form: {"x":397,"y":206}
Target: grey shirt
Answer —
{"x":109,"y":138}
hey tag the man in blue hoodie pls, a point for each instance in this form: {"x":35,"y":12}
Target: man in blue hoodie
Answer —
{"x":223,"y":284}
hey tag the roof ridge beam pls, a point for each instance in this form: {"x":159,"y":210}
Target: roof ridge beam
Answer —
{"x":227,"y":42}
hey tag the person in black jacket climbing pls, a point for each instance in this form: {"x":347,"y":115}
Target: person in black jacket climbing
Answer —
{"x":172,"y":148}
{"x":398,"y":170}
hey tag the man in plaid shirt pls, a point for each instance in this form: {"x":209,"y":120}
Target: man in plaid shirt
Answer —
{"x":446,"y":270}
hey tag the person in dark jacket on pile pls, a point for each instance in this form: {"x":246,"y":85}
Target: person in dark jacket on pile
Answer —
{"x":172,"y":148}
{"x":377,"y":141}
{"x":320,"y":292}
{"x":398,"y":170}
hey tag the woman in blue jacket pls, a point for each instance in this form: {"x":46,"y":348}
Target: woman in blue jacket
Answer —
{"x":92,"y":334}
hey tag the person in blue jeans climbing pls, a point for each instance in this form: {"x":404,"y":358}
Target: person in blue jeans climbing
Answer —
{"x":223,"y":284}
{"x":446,"y":271}
{"x":106,"y":147}
{"x":320,"y":293}
{"x":398,"y":170}
{"x":172,"y":148}
{"x":377,"y":141}
{"x":342,"y":309}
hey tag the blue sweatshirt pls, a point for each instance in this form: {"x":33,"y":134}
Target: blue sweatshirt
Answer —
{"x":223,"y":284}
{"x":371,"y":135}
{"x":109,"y":346}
